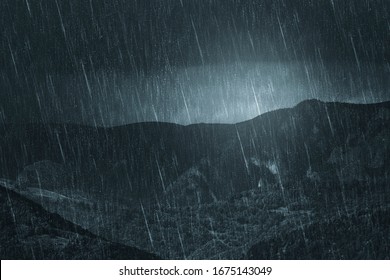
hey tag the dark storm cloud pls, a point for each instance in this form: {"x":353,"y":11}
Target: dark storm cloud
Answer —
{"x":59,"y":58}
{"x":139,"y":35}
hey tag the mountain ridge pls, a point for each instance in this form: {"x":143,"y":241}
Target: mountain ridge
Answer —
{"x":285,"y":167}
{"x":301,"y":103}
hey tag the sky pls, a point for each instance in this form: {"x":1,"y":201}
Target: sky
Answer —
{"x":113,"y":62}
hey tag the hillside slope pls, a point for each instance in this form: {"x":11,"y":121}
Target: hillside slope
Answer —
{"x":30,"y":232}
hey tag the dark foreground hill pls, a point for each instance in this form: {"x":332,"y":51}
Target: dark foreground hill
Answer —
{"x":207,"y":190}
{"x":30,"y":232}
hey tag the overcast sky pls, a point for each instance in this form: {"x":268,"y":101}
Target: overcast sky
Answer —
{"x":111,"y":62}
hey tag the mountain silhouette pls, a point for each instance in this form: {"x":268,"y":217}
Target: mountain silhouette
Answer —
{"x":313,"y":161}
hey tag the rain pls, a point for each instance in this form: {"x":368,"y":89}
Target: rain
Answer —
{"x":183,"y":129}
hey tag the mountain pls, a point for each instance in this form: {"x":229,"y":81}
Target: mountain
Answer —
{"x":329,"y":141}
{"x":363,"y":235}
{"x":30,"y":232}
{"x":206,"y":190}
